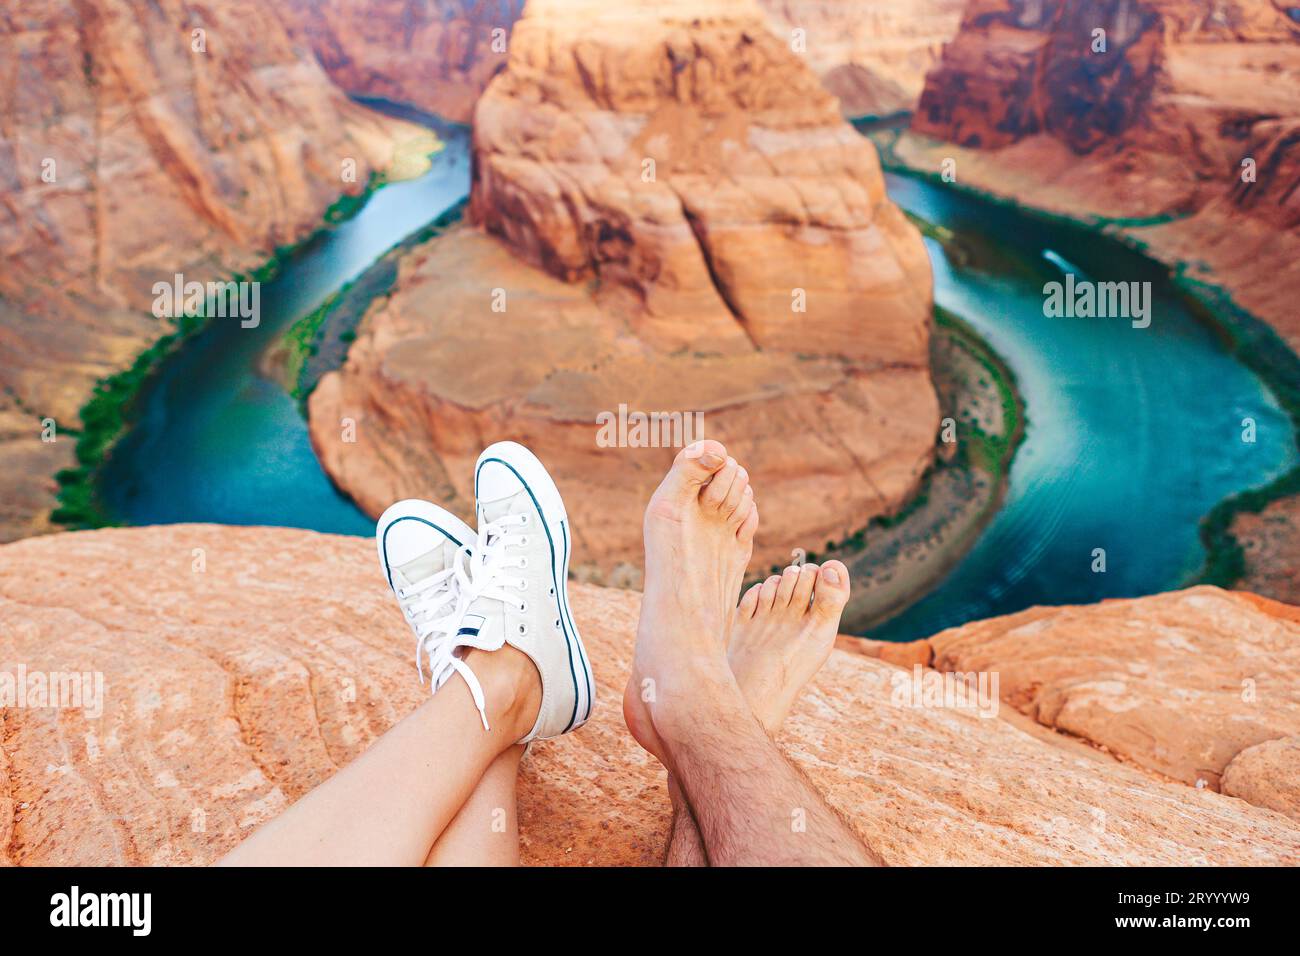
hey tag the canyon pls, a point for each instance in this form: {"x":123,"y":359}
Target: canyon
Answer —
{"x":1158,"y":127}
{"x":132,"y":150}
{"x":1182,"y":137}
{"x":436,"y":55}
{"x":668,"y":213}
{"x":1124,"y":735}
{"x":1184,"y":134}
{"x":439,"y":55}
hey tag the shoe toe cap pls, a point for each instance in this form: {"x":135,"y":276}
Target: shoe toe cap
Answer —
{"x":406,"y":538}
{"x":496,"y":481}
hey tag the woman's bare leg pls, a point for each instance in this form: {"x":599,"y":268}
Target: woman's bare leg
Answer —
{"x":389,"y":806}
{"x":486,"y":830}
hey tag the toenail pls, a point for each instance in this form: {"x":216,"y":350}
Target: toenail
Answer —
{"x":710,"y":460}
{"x":831,"y":576}
{"x":695,"y":450}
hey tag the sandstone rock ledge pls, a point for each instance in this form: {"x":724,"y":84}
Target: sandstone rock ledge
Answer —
{"x":234,"y":689}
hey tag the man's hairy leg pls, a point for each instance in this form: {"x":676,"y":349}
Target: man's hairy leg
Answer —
{"x":685,"y":848}
{"x":782,"y":634}
{"x":683,"y":703}
{"x":751,"y":805}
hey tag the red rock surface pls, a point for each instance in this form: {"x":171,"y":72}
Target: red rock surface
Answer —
{"x":873,"y":55}
{"x":232,"y":690}
{"x":757,"y":188}
{"x":1270,"y":541}
{"x":437,"y":55}
{"x":1267,"y":775}
{"x":1178,"y":683}
{"x":165,"y":160}
{"x":667,"y":294}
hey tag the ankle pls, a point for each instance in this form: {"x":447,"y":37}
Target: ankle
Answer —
{"x":685,"y":703}
{"x":512,"y":688}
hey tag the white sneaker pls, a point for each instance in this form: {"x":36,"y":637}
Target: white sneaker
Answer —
{"x":424,"y":552}
{"x":519,"y":573}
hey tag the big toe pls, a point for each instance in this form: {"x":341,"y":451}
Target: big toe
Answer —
{"x":694,"y":465}
{"x":831,"y":591}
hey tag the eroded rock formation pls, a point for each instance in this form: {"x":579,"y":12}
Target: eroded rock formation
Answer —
{"x":1266,"y":775}
{"x":1181,"y":684}
{"x":678,"y":221}
{"x":437,"y":55}
{"x":231,"y":691}
{"x":140,"y":140}
{"x":440,"y":54}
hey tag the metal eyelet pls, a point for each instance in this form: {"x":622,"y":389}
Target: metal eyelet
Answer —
{"x":527,"y":518}
{"x":523,"y":541}
{"x":523,"y":562}
{"x":523,"y":628}
{"x":523,"y":585}
{"x":523,"y":607}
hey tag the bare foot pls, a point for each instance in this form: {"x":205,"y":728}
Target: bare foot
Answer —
{"x":784,"y":630}
{"x":699,"y":536}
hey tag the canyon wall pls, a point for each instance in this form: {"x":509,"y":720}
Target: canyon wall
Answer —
{"x":437,"y":55}
{"x":1189,"y":118}
{"x":134,"y":148}
{"x":670,"y":216}
{"x":440,"y":54}
{"x":873,"y":55}
{"x":230,"y":694}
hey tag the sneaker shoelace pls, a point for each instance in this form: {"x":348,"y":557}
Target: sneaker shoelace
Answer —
{"x":490,"y":564}
{"x":436,"y":606}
